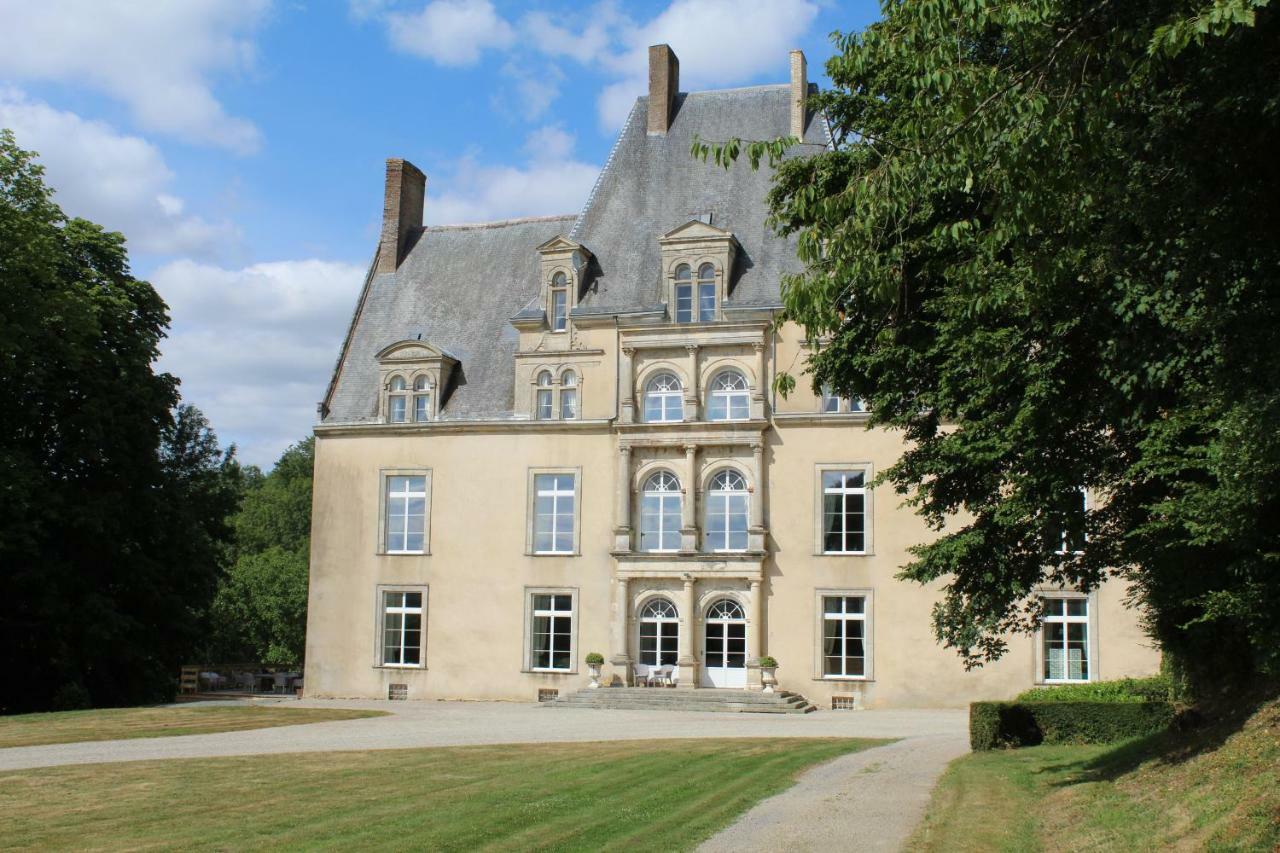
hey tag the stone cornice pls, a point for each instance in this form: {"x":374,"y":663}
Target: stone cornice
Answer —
{"x":700,"y":433}
{"x":476,"y":426}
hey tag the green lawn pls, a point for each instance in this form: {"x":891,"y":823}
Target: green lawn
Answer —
{"x":118,"y":723}
{"x":634,"y":795}
{"x":1216,"y":789}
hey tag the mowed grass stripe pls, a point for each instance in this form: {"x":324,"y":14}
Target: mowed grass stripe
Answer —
{"x":642,"y":795}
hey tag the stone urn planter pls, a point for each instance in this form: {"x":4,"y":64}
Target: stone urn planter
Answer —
{"x":594,"y":661}
{"x":768,"y":673}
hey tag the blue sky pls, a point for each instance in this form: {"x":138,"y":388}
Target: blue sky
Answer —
{"x":239,"y":145}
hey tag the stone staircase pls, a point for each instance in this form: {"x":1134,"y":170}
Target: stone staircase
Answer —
{"x":674,"y":699}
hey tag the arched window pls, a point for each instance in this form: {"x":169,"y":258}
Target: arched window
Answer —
{"x":684,"y":294}
{"x":542,"y":406}
{"x":726,"y":608}
{"x":730,"y":397}
{"x":727,"y":512}
{"x":559,"y":308}
{"x":663,"y":399}
{"x":659,"y":633}
{"x":706,"y":293}
{"x":660,"y":513}
{"x":568,"y":395}
{"x":397,"y":402}
{"x":421,"y":399}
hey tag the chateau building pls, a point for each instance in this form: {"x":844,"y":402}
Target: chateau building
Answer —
{"x":555,"y":436}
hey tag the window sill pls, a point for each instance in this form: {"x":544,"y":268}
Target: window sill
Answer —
{"x":1055,"y":682}
{"x":861,"y":679}
{"x":549,"y":671}
{"x":404,"y":553}
{"x":844,"y":553}
{"x":553,"y":553}
{"x":401,"y":666}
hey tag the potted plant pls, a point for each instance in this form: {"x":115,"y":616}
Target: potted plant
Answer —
{"x":594,"y":661}
{"x":768,"y":668}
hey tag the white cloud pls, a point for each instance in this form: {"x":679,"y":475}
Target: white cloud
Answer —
{"x":254,"y":347}
{"x":450,"y":32}
{"x":157,"y":58}
{"x":551,"y":182}
{"x":118,"y":181}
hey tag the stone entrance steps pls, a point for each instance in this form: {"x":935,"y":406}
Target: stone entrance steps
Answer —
{"x":675,"y":699}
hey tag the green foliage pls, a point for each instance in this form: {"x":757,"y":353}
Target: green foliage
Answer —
{"x":113,"y":499}
{"x":595,"y":658}
{"x":1158,"y":688}
{"x":993,"y":725}
{"x":768,"y":661}
{"x":1042,"y":246}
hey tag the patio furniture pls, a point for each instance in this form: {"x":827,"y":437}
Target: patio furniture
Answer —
{"x":661,"y":675}
{"x":640,"y":674}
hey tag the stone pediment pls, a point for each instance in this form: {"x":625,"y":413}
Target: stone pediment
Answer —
{"x":412,"y":351}
{"x":696,"y":229}
{"x":560,"y":244}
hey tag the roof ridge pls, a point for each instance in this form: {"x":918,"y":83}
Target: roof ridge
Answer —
{"x":498,"y":223}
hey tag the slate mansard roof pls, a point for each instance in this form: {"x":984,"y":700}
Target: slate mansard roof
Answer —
{"x":459,"y":286}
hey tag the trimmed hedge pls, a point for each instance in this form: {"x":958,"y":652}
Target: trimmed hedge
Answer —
{"x":1157,"y":688}
{"x":993,"y":725}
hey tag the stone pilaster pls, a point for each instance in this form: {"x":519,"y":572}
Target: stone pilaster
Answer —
{"x":688,"y":506}
{"x":687,"y":662}
{"x":622,"y":501}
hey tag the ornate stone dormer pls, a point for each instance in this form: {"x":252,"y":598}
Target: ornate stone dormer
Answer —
{"x":697,"y":264}
{"x":413,"y":377}
{"x":562,"y":272}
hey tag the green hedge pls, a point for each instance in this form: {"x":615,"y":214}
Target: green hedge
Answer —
{"x":1010,"y":724}
{"x":1157,"y":688}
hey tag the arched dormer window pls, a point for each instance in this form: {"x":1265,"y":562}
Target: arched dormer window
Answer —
{"x":568,"y":396}
{"x":542,"y":406}
{"x":397,"y":401}
{"x":663,"y":399}
{"x":706,"y":293}
{"x":727,"y":512}
{"x":660,"y":513}
{"x":558,"y":311}
{"x":421,"y":399}
{"x":730,"y":397}
{"x":684,"y":294}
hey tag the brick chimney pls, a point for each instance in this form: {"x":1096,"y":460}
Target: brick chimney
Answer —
{"x":664,"y":82}
{"x":799,"y":92}
{"x":406,"y":190}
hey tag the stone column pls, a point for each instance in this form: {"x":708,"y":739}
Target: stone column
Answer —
{"x":622,"y":501}
{"x":755,"y":636}
{"x":626,"y":387}
{"x":687,"y":663}
{"x":621,"y":659}
{"x":755,"y":505}
{"x":691,"y":392}
{"x":761,"y":383}
{"x":688,"y":507}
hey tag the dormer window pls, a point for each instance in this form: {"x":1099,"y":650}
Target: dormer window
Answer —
{"x":397,"y":401}
{"x":706,"y":293}
{"x":684,"y":294}
{"x":568,"y":396}
{"x":421,"y":399}
{"x":542,"y":407}
{"x":559,"y":312}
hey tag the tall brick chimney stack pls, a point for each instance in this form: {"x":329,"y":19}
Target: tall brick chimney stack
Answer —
{"x":799,"y":93}
{"x":664,"y":82}
{"x":406,"y":191}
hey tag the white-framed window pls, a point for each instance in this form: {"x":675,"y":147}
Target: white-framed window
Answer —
{"x":663,"y":399}
{"x":402,"y":627}
{"x":1065,"y":640}
{"x":832,"y":404}
{"x":660,"y":513}
{"x":659,"y":633}
{"x":554,"y":513}
{"x":405,"y":513}
{"x":1072,"y":537}
{"x":844,"y":648}
{"x":559,"y":309}
{"x":542,"y":403}
{"x":397,"y":401}
{"x":706,"y":293}
{"x":421,"y":399}
{"x":551,"y":630}
{"x":729,"y":397}
{"x":684,"y":294}
{"x":844,"y":511}
{"x":568,"y":396}
{"x":726,"y":509}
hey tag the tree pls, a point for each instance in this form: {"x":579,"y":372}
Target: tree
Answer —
{"x":261,"y":607}
{"x":1043,"y":246}
{"x":112,"y":499}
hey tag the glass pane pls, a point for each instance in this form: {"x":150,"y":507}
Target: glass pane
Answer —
{"x":1077,"y":607}
{"x":831,"y":666}
{"x":684,"y":304}
{"x":568,"y":405}
{"x":413,"y":599}
{"x":706,"y":302}
{"x":831,"y":604}
{"x":564,"y":543}
{"x":558,"y":298}
{"x":397,"y":410}
{"x":421,"y":407}
{"x":739,"y":408}
{"x":716,"y":410}
{"x":412,"y":655}
{"x":413,"y":542}
{"x":855,"y":604}
{"x":541,"y":602}
{"x":415,"y":484}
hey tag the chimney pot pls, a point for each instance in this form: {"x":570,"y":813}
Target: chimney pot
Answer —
{"x":664,"y":83}
{"x":403,"y":198}
{"x":799,"y":93}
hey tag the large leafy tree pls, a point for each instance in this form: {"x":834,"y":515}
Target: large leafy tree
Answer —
{"x":113,"y":501}
{"x":1044,"y":247}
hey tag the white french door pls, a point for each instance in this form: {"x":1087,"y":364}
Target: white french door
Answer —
{"x":725,"y":645}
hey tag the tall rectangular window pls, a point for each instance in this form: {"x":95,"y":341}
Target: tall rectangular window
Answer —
{"x":396,"y":404}
{"x":559,"y":303}
{"x":551,"y":640}
{"x":406,"y":514}
{"x":844,"y":636}
{"x":706,"y":303}
{"x":402,"y":628}
{"x":1072,"y":538}
{"x":684,"y":303}
{"x":844,"y":517}
{"x":422,"y":407}
{"x":553,"y":513}
{"x":1066,"y":639}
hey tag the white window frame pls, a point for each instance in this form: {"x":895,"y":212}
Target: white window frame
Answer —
{"x":723,"y":495}
{"x":531,"y":525}
{"x":422,"y":391}
{"x":831,"y":404}
{"x":1085,"y":506}
{"x":742,"y":396}
{"x":663,"y":396}
{"x":678,"y":495}
{"x":379,"y":625}
{"x":868,"y":633}
{"x":868,"y":515}
{"x":558,"y":315}
{"x":1090,"y":622}
{"x":530,"y":615}
{"x":658,"y":622}
{"x":569,"y":391}
{"x":384,"y":484}
{"x":398,"y":396}
{"x":702,"y":284}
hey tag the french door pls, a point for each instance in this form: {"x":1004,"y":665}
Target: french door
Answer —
{"x":725,"y":645}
